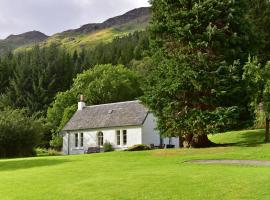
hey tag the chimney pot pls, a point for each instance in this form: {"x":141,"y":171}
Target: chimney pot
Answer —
{"x":81,"y":98}
{"x":81,"y":103}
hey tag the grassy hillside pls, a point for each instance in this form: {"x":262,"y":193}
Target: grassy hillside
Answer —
{"x":79,"y":41}
{"x":91,"y":34}
{"x":153,"y":175}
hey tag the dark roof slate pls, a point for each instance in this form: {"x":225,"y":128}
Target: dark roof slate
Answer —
{"x":130,"y":113}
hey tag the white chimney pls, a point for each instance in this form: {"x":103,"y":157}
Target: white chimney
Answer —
{"x":81,"y":103}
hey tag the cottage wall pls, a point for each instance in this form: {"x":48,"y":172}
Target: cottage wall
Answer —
{"x":134,"y":136}
{"x":150,"y":135}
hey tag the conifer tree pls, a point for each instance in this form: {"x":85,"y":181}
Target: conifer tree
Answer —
{"x":199,"y":47}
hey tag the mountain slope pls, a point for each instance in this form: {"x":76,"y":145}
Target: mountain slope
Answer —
{"x":14,"y":41}
{"x":89,"y":35}
{"x":136,"y":16}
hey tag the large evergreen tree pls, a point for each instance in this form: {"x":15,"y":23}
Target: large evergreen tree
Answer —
{"x":259,"y":14}
{"x":199,"y":47}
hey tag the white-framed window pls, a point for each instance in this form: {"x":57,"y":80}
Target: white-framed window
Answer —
{"x":81,"y":139}
{"x":118,"y":137}
{"x":100,"y":138}
{"x":76,"y":140}
{"x":124,"y":137}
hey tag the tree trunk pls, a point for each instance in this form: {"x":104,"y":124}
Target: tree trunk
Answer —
{"x":267,"y":120}
{"x":181,"y":142}
{"x":195,"y":141}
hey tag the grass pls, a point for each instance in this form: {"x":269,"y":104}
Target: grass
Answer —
{"x":153,"y":175}
{"x":79,"y":41}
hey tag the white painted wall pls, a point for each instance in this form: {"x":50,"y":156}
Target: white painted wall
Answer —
{"x":146,"y":134}
{"x":151,"y":136}
{"x":134,"y":136}
{"x":149,"y":133}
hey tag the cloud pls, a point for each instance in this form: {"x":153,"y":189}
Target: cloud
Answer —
{"x":52,"y":16}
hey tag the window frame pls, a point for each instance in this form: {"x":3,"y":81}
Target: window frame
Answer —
{"x":76,"y":140}
{"x":100,"y":138}
{"x":124,"y":137}
{"x":81,"y":139}
{"x":118,"y":137}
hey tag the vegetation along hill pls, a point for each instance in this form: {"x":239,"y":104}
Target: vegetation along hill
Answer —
{"x":14,"y":41}
{"x":89,"y":35}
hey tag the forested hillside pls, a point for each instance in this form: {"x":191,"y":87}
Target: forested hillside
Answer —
{"x":31,"y":79}
{"x":15,"y":41}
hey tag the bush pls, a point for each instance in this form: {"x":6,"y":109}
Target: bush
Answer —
{"x":19,"y":133}
{"x":56,"y":142}
{"x":139,"y":147}
{"x":107,"y":147}
{"x":41,"y":151}
{"x":49,"y":152}
{"x":52,"y":152}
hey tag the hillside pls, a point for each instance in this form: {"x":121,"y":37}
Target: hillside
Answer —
{"x":14,"y":41}
{"x":89,"y":35}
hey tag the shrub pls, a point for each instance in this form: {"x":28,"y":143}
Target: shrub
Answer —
{"x":19,"y":133}
{"x":107,"y":147}
{"x":56,"y":142}
{"x":52,"y":152}
{"x":41,"y":151}
{"x":49,"y":152}
{"x":139,"y":147}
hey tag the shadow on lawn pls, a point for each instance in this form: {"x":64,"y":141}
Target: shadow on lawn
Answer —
{"x":11,"y":165}
{"x":248,"y":139}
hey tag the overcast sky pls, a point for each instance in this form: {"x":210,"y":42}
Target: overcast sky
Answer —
{"x":52,"y":16}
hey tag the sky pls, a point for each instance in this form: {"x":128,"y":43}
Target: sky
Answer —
{"x":53,"y":16}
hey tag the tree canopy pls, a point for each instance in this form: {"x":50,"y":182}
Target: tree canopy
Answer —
{"x":102,"y":84}
{"x":258,"y":84}
{"x":199,"y":48}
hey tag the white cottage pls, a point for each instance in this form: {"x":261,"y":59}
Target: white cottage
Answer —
{"x":123,"y":124}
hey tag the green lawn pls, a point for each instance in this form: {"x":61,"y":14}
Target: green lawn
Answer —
{"x":153,"y":175}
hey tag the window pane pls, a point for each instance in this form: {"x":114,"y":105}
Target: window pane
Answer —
{"x":81,"y":139}
{"x":124,"y":137}
{"x":100,"y":138}
{"x":76,"y":140}
{"x":118,"y":136}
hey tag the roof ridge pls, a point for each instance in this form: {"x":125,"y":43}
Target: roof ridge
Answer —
{"x":113,"y":103}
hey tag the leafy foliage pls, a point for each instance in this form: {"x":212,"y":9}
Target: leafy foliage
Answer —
{"x":198,"y":51}
{"x":19,"y":134}
{"x":139,"y":147}
{"x":102,"y":84}
{"x":257,"y":77}
{"x":108,"y":147}
{"x":56,"y":142}
{"x":259,"y":14}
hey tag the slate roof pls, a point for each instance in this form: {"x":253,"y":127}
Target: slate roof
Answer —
{"x":130,"y":113}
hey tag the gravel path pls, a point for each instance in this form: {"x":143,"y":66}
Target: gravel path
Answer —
{"x":236,"y":162}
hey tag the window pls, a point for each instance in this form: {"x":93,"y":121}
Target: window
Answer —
{"x":100,"y":138}
{"x":118,"y":137}
{"x":124,"y":137}
{"x":81,"y":140}
{"x":76,"y":139}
